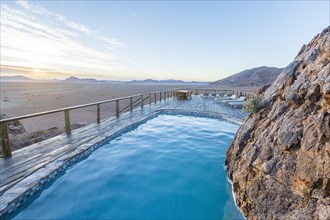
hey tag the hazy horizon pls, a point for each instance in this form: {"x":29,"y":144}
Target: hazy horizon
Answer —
{"x":85,"y":78}
{"x":190,"y":40}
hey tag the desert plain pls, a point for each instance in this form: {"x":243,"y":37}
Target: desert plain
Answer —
{"x":21,"y":98}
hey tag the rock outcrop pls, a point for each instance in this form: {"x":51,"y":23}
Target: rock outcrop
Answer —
{"x":20,"y":138}
{"x":19,"y":141}
{"x":14,"y":127}
{"x":279,"y":161}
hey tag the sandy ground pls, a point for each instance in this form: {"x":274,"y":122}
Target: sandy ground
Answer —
{"x":20,"y":98}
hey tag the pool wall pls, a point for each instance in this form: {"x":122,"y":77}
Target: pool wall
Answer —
{"x":18,"y":195}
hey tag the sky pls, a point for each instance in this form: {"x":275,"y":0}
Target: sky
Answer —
{"x":125,"y":40}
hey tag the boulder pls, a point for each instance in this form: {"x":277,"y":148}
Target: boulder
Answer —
{"x":279,"y":160}
{"x":14,"y":127}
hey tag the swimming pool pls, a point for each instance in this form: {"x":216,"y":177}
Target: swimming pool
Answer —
{"x":170,"y":167}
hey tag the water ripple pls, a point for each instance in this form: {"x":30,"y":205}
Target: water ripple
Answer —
{"x":170,"y":167}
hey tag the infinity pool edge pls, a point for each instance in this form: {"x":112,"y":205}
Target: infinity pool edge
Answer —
{"x":17,"y":195}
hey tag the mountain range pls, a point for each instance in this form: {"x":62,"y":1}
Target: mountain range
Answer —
{"x":258,"y":77}
{"x":73,"y":79}
{"x":16,"y":78}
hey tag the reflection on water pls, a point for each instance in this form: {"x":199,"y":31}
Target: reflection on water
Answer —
{"x":170,"y":167}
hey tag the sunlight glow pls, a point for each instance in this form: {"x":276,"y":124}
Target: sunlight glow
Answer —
{"x":54,"y":40}
{"x":36,"y":70}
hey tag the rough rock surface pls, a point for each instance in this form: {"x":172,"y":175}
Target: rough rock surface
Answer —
{"x":279,"y":161}
{"x":20,"y":138}
{"x":14,"y":127}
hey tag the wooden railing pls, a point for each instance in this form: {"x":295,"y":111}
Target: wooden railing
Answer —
{"x":6,"y":149}
{"x":163,"y":95}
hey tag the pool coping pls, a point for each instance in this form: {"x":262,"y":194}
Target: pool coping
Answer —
{"x":16,"y":196}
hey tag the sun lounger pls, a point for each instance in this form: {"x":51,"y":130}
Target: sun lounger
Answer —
{"x":240,"y":99}
{"x":233,"y":97}
{"x":219,"y":95}
{"x":212,"y":95}
{"x":223,"y":96}
{"x":205,"y":95}
{"x":240,"y":104}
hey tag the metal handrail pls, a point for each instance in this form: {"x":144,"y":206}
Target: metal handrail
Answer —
{"x":133,"y":106}
{"x":140,"y":102}
{"x":129,"y":106}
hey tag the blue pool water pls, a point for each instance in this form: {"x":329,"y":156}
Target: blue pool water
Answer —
{"x":171,"y":167}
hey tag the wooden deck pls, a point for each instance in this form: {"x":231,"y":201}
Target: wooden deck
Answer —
{"x":27,"y":169}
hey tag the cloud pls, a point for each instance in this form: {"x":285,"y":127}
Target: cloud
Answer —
{"x":35,"y":37}
{"x":35,"y":9}
{"x":42,"y":11}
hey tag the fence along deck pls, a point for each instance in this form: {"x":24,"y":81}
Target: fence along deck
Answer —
{"x":139,"y":101}
{"x":5,"y":147}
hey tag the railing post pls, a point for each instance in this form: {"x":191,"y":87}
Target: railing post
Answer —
{"x":131,"y":104}
{"x":155,"y":97}
{"x":67,"y":122}
{"x":98,"y":118}
{"x":117,"y":108}
{"x":160,"y":96}
{"x":6,"y":150}
{"x":141,"y":101}
{"x":149,"y":98}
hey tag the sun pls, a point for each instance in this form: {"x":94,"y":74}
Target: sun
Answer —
{"x":37,"y":70}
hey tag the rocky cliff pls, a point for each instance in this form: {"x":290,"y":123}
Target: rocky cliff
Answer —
{"x":279,"y":161}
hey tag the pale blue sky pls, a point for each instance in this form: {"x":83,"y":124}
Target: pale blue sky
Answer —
{"x":189,"y":40}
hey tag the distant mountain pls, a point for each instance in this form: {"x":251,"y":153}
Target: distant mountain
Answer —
{"x":16,"y":78}
{"x":167,"y":81}
{"x":73,"y":79}
{"x":258,"y":76}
